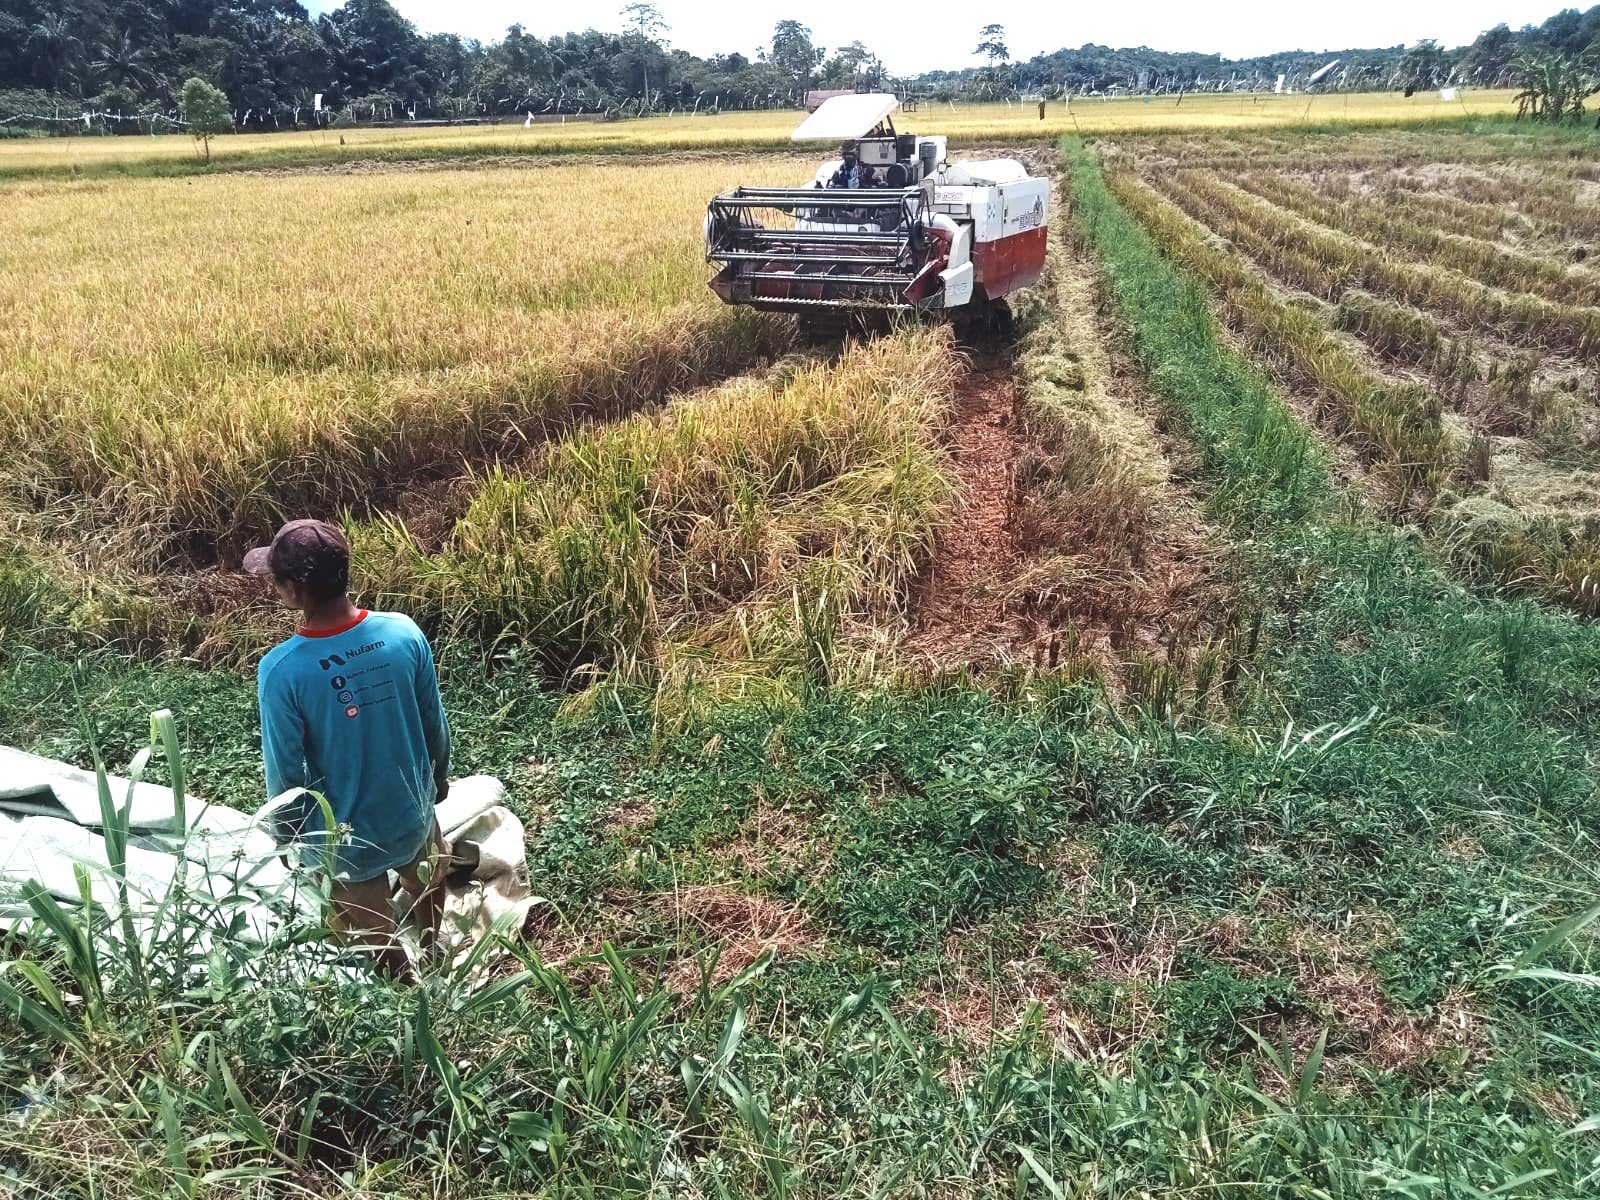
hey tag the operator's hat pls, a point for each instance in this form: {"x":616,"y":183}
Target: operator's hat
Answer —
{"x":305,"y":551}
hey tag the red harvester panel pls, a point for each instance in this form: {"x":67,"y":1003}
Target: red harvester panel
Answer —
{"x":1003,"y":266}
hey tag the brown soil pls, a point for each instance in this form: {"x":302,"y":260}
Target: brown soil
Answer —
{"x":743,"y":928}
{"x":738,"y":926}
{"x":632,"y":815}
{"x":775,"y":843}
{"x":981,"y":997}
{"x":574,"y":949}
{"x":960,"y":607}
{"x":1368,"y":1023}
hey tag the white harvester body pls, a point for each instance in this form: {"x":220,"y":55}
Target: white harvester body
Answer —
{"x":890,"y":224}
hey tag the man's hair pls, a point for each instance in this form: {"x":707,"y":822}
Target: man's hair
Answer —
{"x":326,"y":582}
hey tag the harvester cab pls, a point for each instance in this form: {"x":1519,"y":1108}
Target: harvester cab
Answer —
{"x":888,"y":225}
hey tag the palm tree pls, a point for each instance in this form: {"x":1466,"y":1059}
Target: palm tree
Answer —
{"x":53,"y":40}
{"x":124,"y":65}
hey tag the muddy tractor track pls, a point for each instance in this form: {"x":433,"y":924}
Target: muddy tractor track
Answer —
{"x":959,"y":605}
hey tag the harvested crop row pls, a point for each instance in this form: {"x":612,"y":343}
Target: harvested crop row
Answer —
{"x":1529,"y":234}
{"x":765,"y":530}
{"x":1500,"y":395}
{"x":1115,"y":560}
{"x":1403,"y":334}
{"x":1334,"y":152}
{"x":1398,"y":423}
{"x":1536,"y":533}
{"x":211,"y":354}
{"x":1553,"y":153}
{"x":1094,"y":474}
{"x":1488,"y":263}
{"x":1540,"y":197}
{"x":1451,"y":214}
{"x":1327,"y":264}
{"x":1503,"y":392}
{"x":1525,"y":525}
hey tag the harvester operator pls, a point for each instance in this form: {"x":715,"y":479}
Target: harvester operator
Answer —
{"x":849,"y":173}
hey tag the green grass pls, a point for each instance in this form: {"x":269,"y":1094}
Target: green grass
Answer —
{"x":1140,"y":917}
{"x":1482,"y":708}
{"x":945,"y":811}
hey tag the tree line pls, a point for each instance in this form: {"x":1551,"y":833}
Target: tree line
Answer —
{"x":1499,"y":57}
{"x":273,"y":62}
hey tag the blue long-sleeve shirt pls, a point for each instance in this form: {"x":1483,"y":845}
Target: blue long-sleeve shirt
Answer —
{"x":354,"y":714}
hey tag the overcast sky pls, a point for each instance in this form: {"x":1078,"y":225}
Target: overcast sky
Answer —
{"x":941,"y":33}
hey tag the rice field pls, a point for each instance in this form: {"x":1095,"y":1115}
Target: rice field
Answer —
{"x":963,"y":123}
{"x":203,"y":356}
{"x":447,"y":361}
{"x":538,"y":424}
{"x":755,"y":539}
{"x":1058,"y":769}
{"x":1435,"y":299}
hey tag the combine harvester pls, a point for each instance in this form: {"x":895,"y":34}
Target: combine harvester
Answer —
{"x":888,"y":227}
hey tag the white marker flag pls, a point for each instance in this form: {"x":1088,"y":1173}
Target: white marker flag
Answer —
{"x":316,"y":102}
{"x":1447,"y":94}
{"x":1277,"y":88}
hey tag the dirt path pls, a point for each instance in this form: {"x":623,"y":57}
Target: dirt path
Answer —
{"x":1079,"y":539}
{"x":959,"y":607}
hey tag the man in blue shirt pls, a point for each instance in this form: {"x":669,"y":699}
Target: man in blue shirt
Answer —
{"x":350,"y":710}
{"x":849,"y":173}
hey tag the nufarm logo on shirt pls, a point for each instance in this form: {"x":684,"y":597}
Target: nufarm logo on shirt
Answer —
{"x":337,"y":660}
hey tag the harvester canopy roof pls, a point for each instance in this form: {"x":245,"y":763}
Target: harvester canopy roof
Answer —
{"x":843,"y":117}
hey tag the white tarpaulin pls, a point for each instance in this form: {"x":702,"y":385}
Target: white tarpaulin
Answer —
{"x":50,"y":828}
{"x":50,"y":821}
